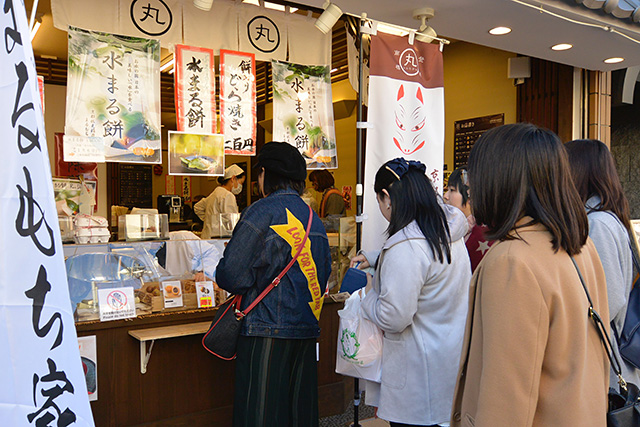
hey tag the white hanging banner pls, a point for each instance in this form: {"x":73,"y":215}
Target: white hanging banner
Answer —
{"x":238,"y":102}
{"x":307,"y":44}
{"x":113,"y":93}
{"x":217,"y":28}
{"x":195,"y":89}
{"x":303,"y":112}
{"x":406,"y":104}
{"x":263,"y":32}
{"x":151,"y":19}
{"x":42,"y":381}
{"x":99,"y":15}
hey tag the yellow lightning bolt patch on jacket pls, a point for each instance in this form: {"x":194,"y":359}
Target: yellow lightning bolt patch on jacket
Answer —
{"x":293,"y":233}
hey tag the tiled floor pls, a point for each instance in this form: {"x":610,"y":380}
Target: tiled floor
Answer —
{"x":365,"y":413}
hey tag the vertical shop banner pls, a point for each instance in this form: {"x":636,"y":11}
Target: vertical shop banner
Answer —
{"x":238,"y":102}
{"x":195,"y":81}
{"x":42,"y":380}
{"x":195,"y":154}
{"x":303,"y":112}
{"x":113,"y":97}
{"x":262,"y":32}
{"x":406,"y":111}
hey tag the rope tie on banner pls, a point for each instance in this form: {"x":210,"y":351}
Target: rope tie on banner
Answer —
{"x":361,"y":218}
{"x":364,"y":125}
{"x":412,"y":36}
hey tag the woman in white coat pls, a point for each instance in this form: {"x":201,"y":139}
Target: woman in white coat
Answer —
{"x":418,"y":297}
{"x":221,"y":200}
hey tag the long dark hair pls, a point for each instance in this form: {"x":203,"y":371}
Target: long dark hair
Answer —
{"x":522,"y":170}
{"x":413,"y":198}
{"x":594,"y":174}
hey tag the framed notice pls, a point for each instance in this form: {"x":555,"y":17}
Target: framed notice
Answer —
{"x":466,"y":133}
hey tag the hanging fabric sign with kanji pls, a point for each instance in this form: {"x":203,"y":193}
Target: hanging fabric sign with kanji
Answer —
{"x":406,"y":111}
{"x":113,"y":99}
{"x":195,"y":90}
{"x":303,"y":112}
{"x":238,"y":102}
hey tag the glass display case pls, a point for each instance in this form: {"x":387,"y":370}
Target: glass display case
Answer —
{"x":160,"y":275}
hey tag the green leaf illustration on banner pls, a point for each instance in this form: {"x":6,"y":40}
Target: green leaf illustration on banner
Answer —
{"x":114,"y":94}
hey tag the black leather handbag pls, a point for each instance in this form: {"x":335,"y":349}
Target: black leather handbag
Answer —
{"x":624,"y":404}
{"x":221,"y":339}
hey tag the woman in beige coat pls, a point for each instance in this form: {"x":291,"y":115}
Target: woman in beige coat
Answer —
{"x":531,"y":356}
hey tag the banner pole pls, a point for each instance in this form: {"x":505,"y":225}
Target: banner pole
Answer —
{"x":359,"y":191}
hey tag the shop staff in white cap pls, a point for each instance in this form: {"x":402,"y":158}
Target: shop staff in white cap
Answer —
{"x":221,"y":200}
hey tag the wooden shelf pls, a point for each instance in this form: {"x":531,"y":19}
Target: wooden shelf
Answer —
{"x":164,"y":332}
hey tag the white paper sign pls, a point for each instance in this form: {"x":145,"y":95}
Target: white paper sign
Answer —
{"x":206,"y":296}
{"x":89,"y":358}
{"x":88,"y":149}
{"x":116,"y":303}
{"x":172,"y":292}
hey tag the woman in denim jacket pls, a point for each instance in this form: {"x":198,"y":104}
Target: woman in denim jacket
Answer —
{"x":276,"y":373}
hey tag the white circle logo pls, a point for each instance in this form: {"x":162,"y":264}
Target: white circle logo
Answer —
{"x":408,"y":62}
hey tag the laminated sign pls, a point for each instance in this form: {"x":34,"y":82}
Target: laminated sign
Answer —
{"x":113,"y":99}
{"x":303,"y":112}
{"x":195,"y":90}
{"x":238,"y":102}
{"x":406,"y":106}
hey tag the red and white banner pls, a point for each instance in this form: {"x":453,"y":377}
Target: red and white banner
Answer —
{"x":238,"y":102}
{"x":406,"y":113}
{"x":195,"y":89}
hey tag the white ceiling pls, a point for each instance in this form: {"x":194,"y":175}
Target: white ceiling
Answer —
{"x":533,"y":32}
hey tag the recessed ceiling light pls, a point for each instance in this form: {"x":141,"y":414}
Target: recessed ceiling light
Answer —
{"x":613,"y":60}
{"x":500,"y":31}
{"x":562,"y":46}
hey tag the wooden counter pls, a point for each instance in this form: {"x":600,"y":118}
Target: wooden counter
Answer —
{"x":183,"y":384}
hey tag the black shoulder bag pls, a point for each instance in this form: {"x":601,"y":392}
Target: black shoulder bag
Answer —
{"x":624,"y":404}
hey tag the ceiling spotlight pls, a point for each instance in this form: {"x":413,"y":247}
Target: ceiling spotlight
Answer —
{"x":203,"y":4}
{"x":562,"y":46}
{"x":613,"y":60}
{"x":425,"y":33}
{"x":500,"y":31}
{"x":329,"y":17}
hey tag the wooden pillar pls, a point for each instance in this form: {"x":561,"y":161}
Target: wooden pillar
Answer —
{"x":599,"y":106}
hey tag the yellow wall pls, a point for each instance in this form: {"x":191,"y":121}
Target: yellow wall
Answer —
{"x":475,"y":85}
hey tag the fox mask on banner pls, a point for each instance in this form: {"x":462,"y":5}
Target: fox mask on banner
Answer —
{"x":406,"y":80}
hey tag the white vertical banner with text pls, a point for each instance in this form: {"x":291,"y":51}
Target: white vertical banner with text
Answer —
{"x":195,"y":90}
{"x":42,"y":380}
{"x":406,"y":117}
{"x":238,"y":102}
{"x":303,"y":112}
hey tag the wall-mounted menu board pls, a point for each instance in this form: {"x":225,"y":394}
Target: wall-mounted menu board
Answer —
{"x":135,"y":185}
{"x":466,"y":133}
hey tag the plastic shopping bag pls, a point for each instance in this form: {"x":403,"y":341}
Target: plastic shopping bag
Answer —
{"x":359,"y":343}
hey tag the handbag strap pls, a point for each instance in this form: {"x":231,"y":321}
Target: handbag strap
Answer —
{"x":279,"y":277}
{"x":602,"y":332}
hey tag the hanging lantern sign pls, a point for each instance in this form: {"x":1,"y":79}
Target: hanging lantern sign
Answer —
{"x":238,"y":102}
{"x":195,"y":90}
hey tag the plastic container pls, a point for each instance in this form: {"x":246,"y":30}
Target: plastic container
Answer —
{"x":143,"y":227}
{"x":92,"y":235}
{"x":66,"y":228}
